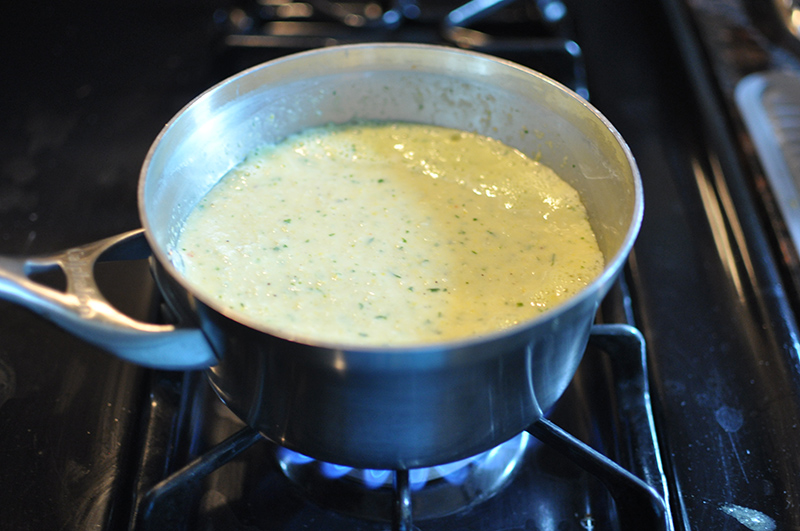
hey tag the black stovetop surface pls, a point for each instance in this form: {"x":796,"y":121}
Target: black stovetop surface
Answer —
{"x":87,"y":87}
{"x":606,"y":406}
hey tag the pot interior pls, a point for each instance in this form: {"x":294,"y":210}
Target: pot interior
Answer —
{"x":416,"y":83}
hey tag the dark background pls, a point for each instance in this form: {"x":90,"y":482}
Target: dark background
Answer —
{"x":86,"y":87}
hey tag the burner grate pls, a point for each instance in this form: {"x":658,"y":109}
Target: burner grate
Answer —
{"x":629,"y":466}
{"x":537,"y":34}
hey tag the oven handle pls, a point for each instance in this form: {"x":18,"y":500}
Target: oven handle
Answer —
{"x":83,"y":311}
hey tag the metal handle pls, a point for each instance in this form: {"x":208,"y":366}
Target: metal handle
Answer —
{"x":83,"y":311}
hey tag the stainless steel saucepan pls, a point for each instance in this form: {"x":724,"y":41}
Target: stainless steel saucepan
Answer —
{"x":389,"y":408}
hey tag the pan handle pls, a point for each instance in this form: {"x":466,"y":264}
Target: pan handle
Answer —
{"x":85,"y":313}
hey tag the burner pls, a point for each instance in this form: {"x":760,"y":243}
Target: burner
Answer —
{"x":546,"y":474}
{"x":537,"y":34}
{"x":437,"y":491}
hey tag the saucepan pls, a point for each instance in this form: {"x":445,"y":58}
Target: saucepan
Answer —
{"x":367,"y":407}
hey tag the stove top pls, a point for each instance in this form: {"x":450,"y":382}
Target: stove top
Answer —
{"x":537,"y":34}
{"x":85,"y":439}
{"x":239,"y":481}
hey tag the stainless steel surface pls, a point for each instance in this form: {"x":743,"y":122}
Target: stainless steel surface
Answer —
{"x":83,"y":311}
{"x":770,"y":106}
{"x":389,"y":408}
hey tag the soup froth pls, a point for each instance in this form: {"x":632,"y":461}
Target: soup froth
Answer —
{"x":389,"y":234}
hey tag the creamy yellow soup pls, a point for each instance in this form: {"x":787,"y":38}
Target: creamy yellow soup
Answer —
{"x":389,"y":234}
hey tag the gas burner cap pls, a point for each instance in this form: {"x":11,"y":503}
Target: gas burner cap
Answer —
{"x":436,"y":491}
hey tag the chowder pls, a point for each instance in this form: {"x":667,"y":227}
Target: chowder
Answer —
{"x":389,"y":234}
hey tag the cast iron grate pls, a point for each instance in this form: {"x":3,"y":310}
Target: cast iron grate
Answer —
{"x":620,"y":450}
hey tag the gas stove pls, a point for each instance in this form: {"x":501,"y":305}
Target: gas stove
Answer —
{"x":547,"y":475}
{"x":538,"y":34}
{"x":684,"y":413}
